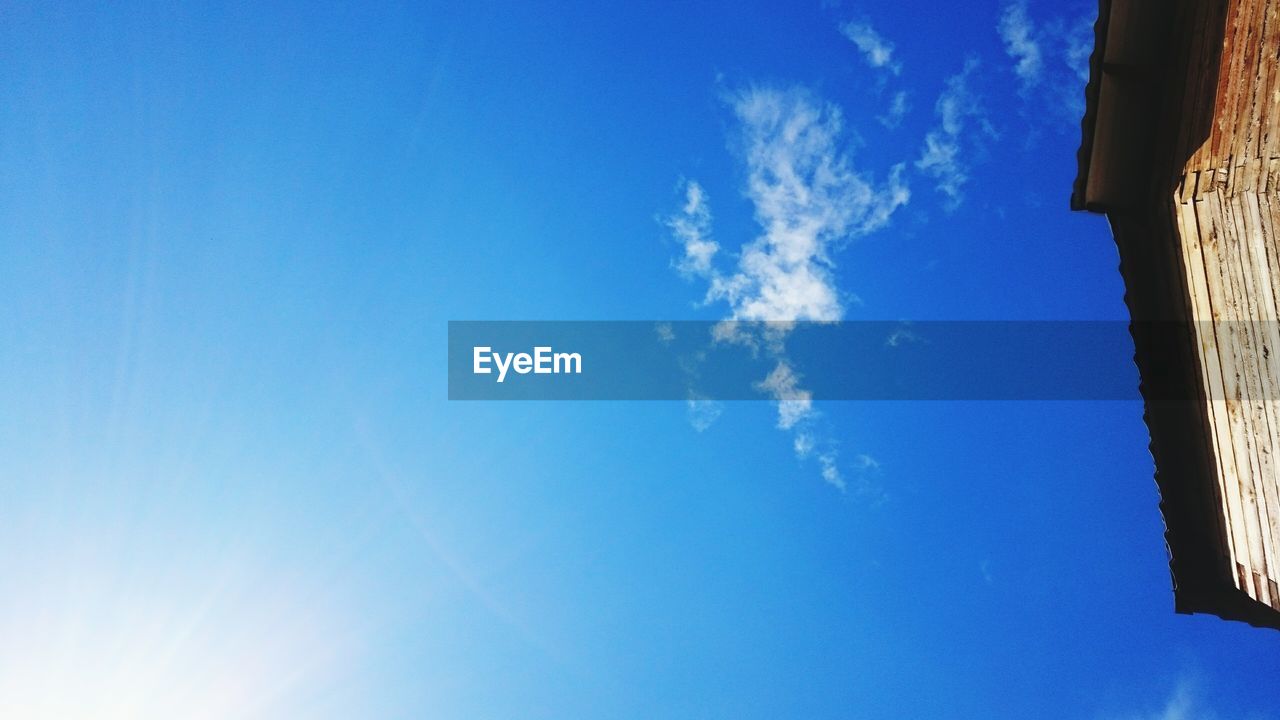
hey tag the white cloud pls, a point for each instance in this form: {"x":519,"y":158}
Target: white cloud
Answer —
{"x":692,"y":228}
{"x":1182,"y":704}
{"x":1019,"y":36}
{"x":877,"y":51}
{"x":831,"y":471}
{"x":703,"y":413}
{"x":666,"y":332}
{"x":803,"y":444}
{"x":956,"y":108}
{"x":901,"y":335}
{"x":1051,"y":61}
{"x":1076,"y":42}
{"x":866,"y":481}
{"x":807,"y":197}
{"x":828,"y":459}
{"x":1078,"y":39}
{"x":794,"y":403}
{"x":897,"y":110}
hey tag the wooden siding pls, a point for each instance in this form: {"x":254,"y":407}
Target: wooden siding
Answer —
{"x":1194,"y":203}
{"x":1226,"y":221}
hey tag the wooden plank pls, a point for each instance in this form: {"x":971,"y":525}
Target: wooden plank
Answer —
{"x":1229,"y":69}
{"x":1177,"y":276}
{"x":1225,"y":302}
{"x":1211,"y":363}
{"x":1190,"y":87}
{"x":1260,"y":108}
{"x":1257,"y":435}
{"x":1263,"y":315}
{"x":1236,"y":118}
{"x":1230,"y":424}
{"x":1269,"y":98}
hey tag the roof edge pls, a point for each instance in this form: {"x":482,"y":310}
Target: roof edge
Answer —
{"x":1088,"y":123}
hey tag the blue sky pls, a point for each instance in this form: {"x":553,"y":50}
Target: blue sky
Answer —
{"x":232,"y":484}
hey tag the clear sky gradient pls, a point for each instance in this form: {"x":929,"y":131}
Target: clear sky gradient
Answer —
{"x":231,"y":236}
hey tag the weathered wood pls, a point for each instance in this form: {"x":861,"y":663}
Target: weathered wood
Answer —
{"x":1198,"y":229}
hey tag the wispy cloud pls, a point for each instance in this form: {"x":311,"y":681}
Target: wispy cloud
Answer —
{"x":896,"y":111}
{"x":665,"y":331}
{"x":692,"y":228}
{"x":794,"y":402}
{"x":866,"y":480}
{"x":1078,"y":39}
{"x":1018,"y":33}
{"x":806,"y":444}
{"x":878,"y":54}
{"x":902,"y":335}
{"x":877,"y":51}
{"x":703,"y":413}
{"x":809,"y":199}
{"x":1050,"y":60}
{"x":958,"y":107}
{"x":1182,"y":704}
{"x":830,"y":469}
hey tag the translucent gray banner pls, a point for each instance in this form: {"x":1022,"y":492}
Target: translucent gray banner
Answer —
{"x":680,"y":360}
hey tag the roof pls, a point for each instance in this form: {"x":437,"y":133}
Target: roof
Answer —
{"x":1084,"y":155}
{"x":1127,"y":70}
